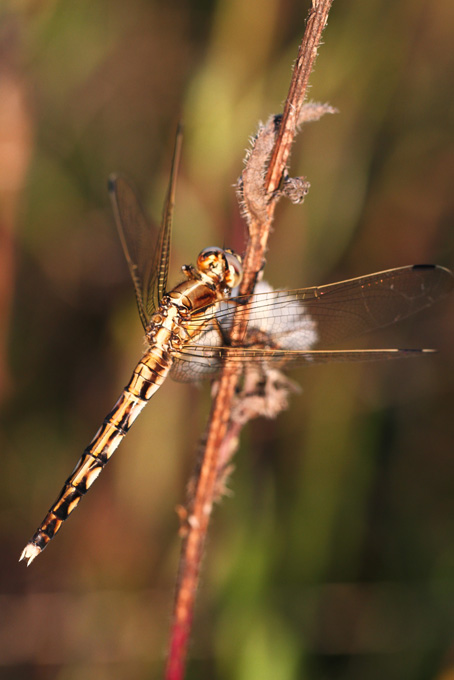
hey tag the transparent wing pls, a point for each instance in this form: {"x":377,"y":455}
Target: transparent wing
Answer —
{"x":199,"y":362}
{"x":138,"y":242}
{"x":289,"y":326}
{"x":147,"y":254}
{"x":162,"y":256}
{"x":342,"y":310}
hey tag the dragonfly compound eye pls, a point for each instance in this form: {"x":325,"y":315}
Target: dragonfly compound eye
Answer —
{"x":234,"y":273}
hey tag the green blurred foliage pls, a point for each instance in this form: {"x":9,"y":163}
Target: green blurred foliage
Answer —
{"x":334,"y":557}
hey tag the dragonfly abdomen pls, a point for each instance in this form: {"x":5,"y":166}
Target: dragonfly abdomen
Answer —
{"x":147,"y":377}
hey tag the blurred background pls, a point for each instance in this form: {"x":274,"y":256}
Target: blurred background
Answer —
{"x":333,"y":557}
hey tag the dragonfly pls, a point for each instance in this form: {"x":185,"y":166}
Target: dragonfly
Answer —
{"x":188,"y":328}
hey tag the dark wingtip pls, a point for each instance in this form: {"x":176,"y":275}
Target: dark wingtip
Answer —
{"x":416,"y":352}
{"x":423,"y":351}
{"x":433,"y":266}
{"x":445,"y":278}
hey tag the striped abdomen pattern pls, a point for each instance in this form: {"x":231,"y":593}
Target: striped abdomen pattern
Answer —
{"x":148,"y":376}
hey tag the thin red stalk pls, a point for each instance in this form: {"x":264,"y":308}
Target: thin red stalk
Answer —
{"x":206,"y":487}
{"x":307,"y":53}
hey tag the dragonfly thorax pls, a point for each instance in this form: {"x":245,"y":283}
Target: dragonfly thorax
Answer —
{"x":220,"y":267}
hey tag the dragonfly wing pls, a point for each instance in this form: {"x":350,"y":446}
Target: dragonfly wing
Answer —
{"x":317,"y":317}
{"x":202,"y":360}
{"x":197,"y":362}
{"x":147,"y":255}
{"x":162,"y":256}
{"x":289,"y":327}
{"x":137,"y":239}
{"x":360,"y":305}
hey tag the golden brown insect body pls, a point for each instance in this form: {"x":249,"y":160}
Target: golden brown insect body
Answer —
{"x":171,"y":327}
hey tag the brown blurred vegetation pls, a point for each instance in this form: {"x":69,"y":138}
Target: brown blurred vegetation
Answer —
{"x":334,"y":558}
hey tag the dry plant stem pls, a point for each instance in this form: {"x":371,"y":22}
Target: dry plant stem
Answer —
{"x":259,"y":222}
{"x":307,"y":53}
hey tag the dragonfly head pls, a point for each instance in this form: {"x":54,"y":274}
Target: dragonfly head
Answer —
{"x":220,"y":266}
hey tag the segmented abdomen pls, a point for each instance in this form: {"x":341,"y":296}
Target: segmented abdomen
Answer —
{"x":148,"y":376}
